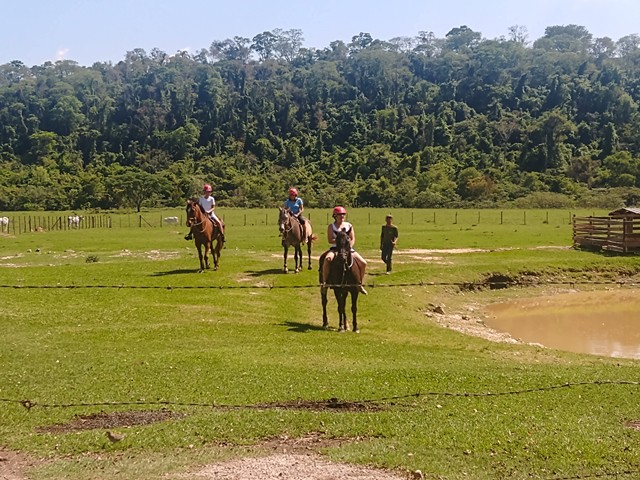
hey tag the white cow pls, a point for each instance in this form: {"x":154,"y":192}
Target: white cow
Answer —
{"x":74,"y":221}
{"x":171,"y":220}
{"x":4,"y":224}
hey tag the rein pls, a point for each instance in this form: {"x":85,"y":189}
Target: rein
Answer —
{"x":191,"y":220}
{"x":288,"y":225}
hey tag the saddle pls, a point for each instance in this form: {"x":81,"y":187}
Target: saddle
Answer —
{"x":301,"y":228}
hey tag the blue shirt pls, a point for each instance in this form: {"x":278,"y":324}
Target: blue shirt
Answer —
{"x":294,"y":206}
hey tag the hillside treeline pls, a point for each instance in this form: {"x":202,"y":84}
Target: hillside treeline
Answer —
{"x":412,"y":122}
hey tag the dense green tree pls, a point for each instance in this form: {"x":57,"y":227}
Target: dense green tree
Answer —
{"x":414,"y":121}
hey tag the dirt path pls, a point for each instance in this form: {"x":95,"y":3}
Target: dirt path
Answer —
{"x":291,"y":467}
{"x":13,"y":464}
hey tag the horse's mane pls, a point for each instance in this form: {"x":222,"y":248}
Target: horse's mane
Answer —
{"x":194,"y":202}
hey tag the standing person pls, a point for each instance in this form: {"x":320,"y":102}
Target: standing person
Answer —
{"x":339,"y":214}
{"x":388,"y":239}
{"x":208,"y":204}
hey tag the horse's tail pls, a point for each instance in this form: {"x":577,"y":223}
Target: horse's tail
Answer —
{"x":312,"y":238}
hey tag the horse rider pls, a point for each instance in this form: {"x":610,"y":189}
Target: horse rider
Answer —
{"x":339,"y":214}
{"x":295,"y":206}
{"x":208,"y":204}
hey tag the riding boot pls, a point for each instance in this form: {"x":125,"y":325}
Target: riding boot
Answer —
{"x":362,"y":289}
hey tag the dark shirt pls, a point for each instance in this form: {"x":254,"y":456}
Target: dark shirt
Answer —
{"x":388,"y":234}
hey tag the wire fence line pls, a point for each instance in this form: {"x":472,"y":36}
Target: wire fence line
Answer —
{"x":491,"y":284}
{"x":29,"y":222}
{"x":330,"y":403}
{"x":348,"y":406}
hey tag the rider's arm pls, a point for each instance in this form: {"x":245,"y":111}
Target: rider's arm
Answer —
{"x":352,"y":236}
{"x":331,"y":236}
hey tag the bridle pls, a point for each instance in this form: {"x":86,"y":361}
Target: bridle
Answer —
{"x":344,"y":252}
{"x":286,"y":225}
{"x":191,"y":217}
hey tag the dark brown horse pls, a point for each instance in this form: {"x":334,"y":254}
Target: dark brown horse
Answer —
{"x":344,"y":277}
{"x":204,"y":233}
{"x":295,"y":234}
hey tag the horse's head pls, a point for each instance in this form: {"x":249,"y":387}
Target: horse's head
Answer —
{"x":192,"y":212}
{"x":284,"y":221}
{"x":343,"y":245}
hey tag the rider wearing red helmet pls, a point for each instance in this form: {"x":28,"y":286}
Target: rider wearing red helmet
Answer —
{"x":295,"y":206}
{"x":208,"y":204}
{"x":339,"y":214}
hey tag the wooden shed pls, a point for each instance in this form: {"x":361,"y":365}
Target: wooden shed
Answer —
{"x":618,"y":232}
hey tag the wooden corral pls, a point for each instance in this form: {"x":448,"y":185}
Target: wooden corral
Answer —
{"x":619,"y":232}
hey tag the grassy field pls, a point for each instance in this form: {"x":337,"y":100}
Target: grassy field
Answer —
{"x":418,"y":393}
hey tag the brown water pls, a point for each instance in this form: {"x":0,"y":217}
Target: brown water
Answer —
{"x":601,"y":322}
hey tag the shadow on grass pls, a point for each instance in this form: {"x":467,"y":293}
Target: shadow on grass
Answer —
{"x":260,"y":273}
{"x":181,"y":271}
{"x":302,"y":327}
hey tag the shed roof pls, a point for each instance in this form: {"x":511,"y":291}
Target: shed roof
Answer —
{"x":626,"y":211}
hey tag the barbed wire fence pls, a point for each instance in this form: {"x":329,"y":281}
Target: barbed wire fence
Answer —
{"x":481,"y":284}
{"x":332,"y":402}
{"x":337,"y":405}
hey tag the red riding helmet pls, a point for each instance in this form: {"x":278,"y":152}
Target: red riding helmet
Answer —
{"x":207,"y":188}
{"x":293,"y":191}
{"x":338,"y":211}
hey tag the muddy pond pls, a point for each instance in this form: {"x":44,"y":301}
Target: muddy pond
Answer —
{"x":603,"y":323}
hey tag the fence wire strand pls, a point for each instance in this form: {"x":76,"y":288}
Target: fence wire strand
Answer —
{"x":337,"y":404}
{"x":466,"y":285}
{"x":334,"y":402}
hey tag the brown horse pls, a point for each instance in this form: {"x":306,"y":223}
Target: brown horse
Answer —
{"x":344,"y":277}
{"x":295,"y":234}
{"x":204,"y":233}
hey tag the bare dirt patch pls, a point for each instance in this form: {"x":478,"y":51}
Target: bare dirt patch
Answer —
{"x":294,"y":459}
{"x":105,"y":420}
{"x":635,"y":424}
{"x":333,"y":404}
{"x":471,"y":323}
{"x":13,"y":464}
{"x":292,"y":467}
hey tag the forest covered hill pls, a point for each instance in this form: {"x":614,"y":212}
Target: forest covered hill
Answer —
{"x":412,"y":122}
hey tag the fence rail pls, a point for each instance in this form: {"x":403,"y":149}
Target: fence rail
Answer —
{"x":621,"y":235}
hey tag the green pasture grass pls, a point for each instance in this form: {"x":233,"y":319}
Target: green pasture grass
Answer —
{"x":173,"y":339}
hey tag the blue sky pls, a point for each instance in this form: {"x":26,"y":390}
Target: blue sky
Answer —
{"x":35,"y":31}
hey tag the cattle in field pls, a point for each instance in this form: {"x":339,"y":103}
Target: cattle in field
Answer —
{"x":171,"y":220}
{"x":4,"y":224}
{"x":74,"y":221}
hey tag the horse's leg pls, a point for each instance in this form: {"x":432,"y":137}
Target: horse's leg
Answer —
{"x":285,"y":245}
{"x":199,"y":247}
{"x":215,"y":253}
{"x":207,"y":248}
{"x":341,"y":299}
{"x":297,"y":253}
{"x":309,"y":240}
{"x":323,"y":296}
{"x":354,"y":309}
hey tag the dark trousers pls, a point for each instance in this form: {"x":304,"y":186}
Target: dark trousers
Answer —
{"x":387,"y":251}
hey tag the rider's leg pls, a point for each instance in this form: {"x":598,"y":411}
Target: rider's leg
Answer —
{"x":362,"y":265}
{"x":218,"y":222}
{"x":325,"y":266}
